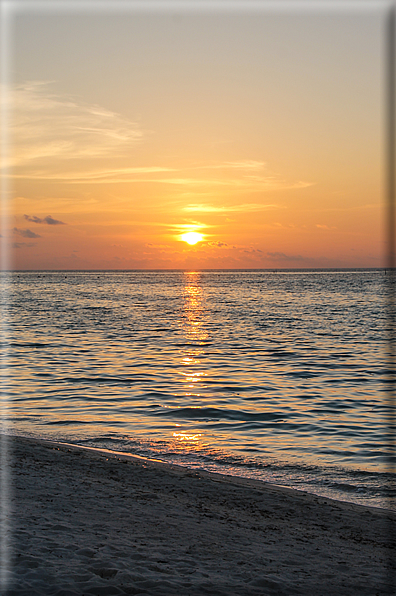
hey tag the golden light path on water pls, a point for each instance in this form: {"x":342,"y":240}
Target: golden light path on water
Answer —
{"x":195,"y":333}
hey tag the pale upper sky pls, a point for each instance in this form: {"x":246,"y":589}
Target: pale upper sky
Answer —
{"x":262,"y":130}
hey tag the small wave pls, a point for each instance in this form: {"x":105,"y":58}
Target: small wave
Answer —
{"x":118,"y":380}
{"x":103,"y":439}
{"x":217,"y":414}
{"x":192,"y":344}
{"x":63,"y":422}
{"x":28,"y":345}
{"x":349,"y":488}
{"x":303,"y":374}
{"x":282,"y":354}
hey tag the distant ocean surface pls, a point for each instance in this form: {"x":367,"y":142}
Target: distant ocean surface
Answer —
{"x":280,"y":376}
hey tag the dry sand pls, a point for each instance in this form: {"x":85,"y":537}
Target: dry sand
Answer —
{"x":91,"y":523}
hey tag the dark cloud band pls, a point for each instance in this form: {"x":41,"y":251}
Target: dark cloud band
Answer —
{"x":26,"y":233}
{"x":46,"y":220}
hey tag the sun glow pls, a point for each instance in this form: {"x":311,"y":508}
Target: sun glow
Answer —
{"x":192,"y":237}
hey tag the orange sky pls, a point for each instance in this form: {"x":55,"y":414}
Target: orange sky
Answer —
{"x":262,"y":131}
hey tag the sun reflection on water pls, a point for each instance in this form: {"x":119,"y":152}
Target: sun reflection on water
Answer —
{"x":193,"y":309}
{"x":184,"y":441}
{"x":183,"y":436}
{"x":192,"y":375}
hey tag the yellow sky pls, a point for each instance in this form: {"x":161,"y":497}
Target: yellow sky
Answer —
{"x":262,"y":131}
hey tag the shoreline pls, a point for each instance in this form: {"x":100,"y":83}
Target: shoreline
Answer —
{"x":214,"y":476}
{"x":89,"y":521}
{"x":241,"y":480}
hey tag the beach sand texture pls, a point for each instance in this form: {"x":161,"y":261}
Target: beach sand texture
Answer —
{"x":89,"y":523}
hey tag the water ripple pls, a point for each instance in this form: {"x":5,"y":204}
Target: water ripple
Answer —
{"x":207,"y":368}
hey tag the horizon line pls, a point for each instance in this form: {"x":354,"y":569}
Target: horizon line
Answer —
{"x":197,"y":270}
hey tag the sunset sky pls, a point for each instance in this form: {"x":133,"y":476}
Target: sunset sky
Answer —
{"x":261,"y":130}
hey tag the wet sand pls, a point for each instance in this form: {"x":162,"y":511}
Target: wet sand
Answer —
{"x":84,"y":522}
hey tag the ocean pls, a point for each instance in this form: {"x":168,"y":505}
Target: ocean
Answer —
{"x":281,"y":376}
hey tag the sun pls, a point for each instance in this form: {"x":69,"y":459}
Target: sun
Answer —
{"x":192,"y":237}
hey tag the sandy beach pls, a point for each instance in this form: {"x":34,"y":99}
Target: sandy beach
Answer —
{"x":85,"y":522}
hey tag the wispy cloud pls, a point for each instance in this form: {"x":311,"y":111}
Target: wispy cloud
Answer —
{"x":101,"y":175}
{"x":250,"y":174}
{"x":245,"y":183}
{"x":345,"y":208}
{"x":22,"y":244}
{"x":218,"y":244}
{"x":26,"y":233}
{"x":245,"y":164}
{"x":324,"y":227}
{"x":46,"y":220}
{"x":252,"y":251}
{"x":244,"y":207}
{"x":281,"y":256}
{"x":155,"y":174}
{"x":47,"y":126}
{"x":193,"y":226}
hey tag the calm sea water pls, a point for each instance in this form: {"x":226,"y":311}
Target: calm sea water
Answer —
{"x":280,"y":376}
